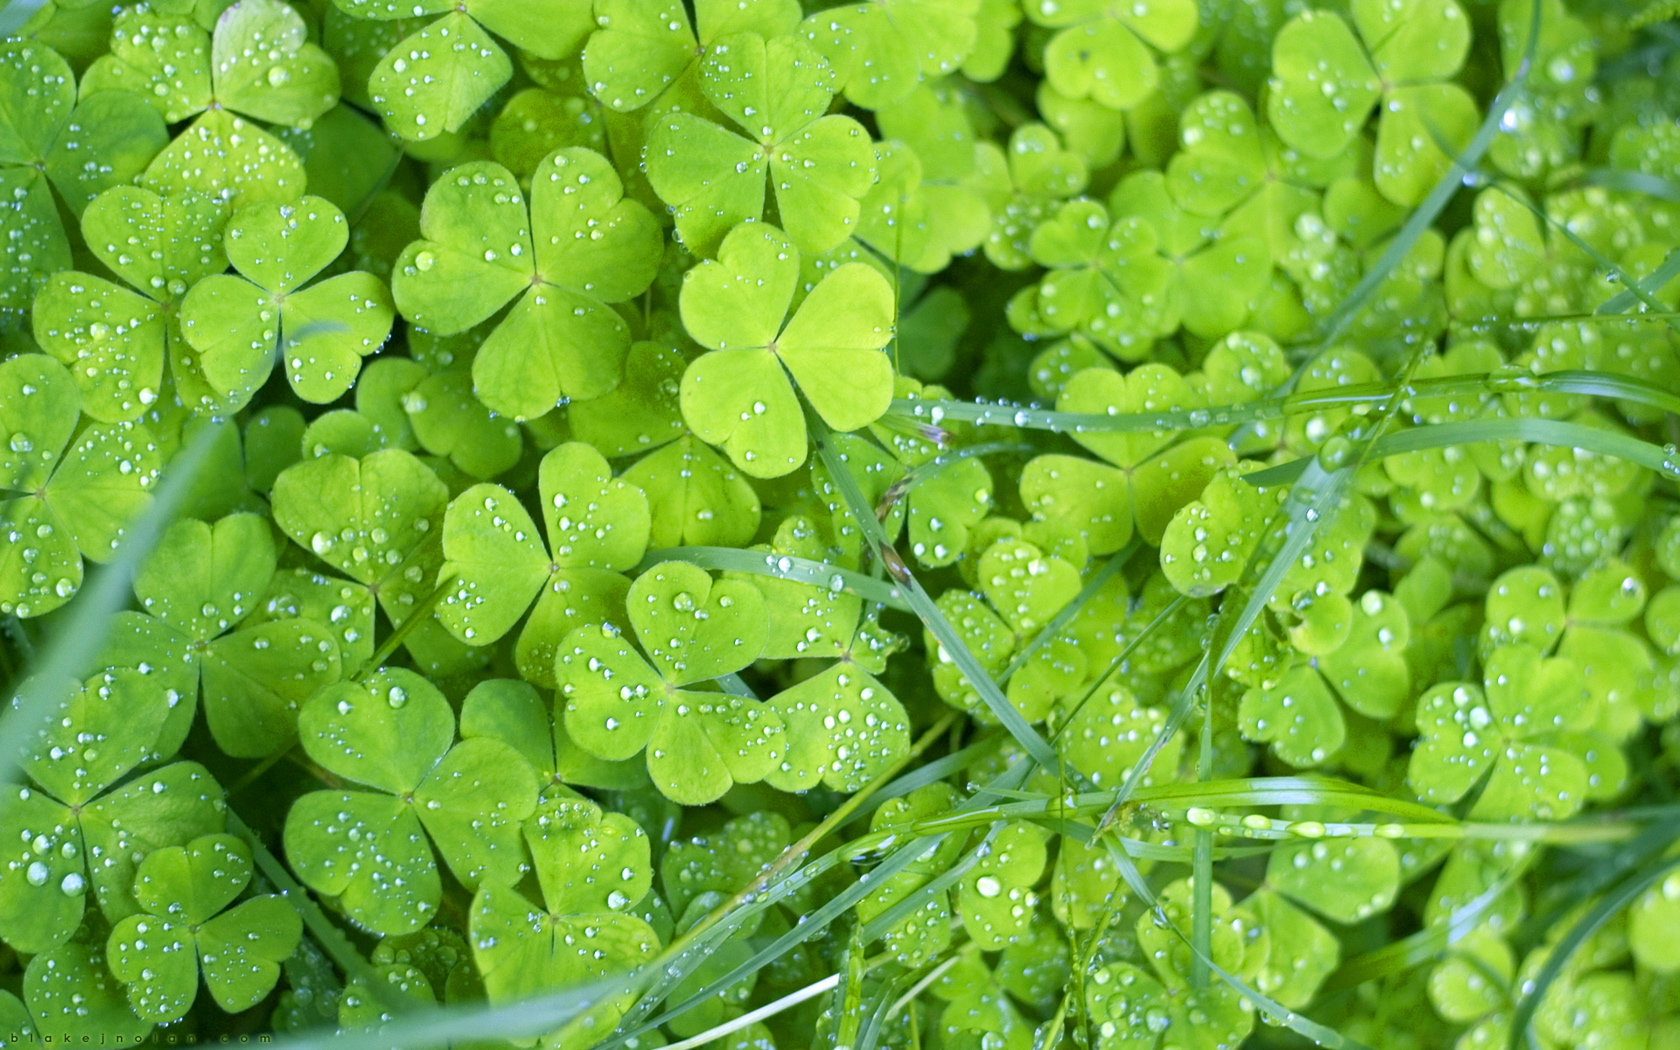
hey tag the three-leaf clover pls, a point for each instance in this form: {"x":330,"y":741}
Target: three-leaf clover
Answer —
{"x":643,"y":51}
{"x":1514,"y":730}
{"x":739,"y":395}
{"x":778,"y":92}
{"x":693,"y":629}
{"x":433,"y":80}
{"x":73,"y":828}
{"x":198,"y":584}
{"x":882,"y":49}
{"x":1325,"y":81}
{"x":593,"y":868}
{"x":185,"y":924}
{"x":394,"y":732}
{"x":1103,"y":50}
{"x":597,"y":527}
{"x":50,"y":143}
{"x":321,"y":333}
{"x":113,"y":341}
{"x":67,"y":503}
{"x":1150,"y":478}
{"x":579,"y":247}
{"x":258,"y":64}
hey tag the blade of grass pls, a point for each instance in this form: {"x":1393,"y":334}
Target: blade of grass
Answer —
{"x":923,"y":605}
{"x":782,"y":567}
{"x":1534,"y":431}
{"x":77,"y":642}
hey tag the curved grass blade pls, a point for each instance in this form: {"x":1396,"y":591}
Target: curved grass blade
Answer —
{"x":782,"y":567}
{"x":79,"y":640}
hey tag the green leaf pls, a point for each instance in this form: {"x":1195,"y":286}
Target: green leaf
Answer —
{"x":1346,"y":880}
{"x":882,"y":49}
{"x":160,"y":245}
{"x":844,"y":728}
{"x":994,"y":899}
{"x":695,"y":497}
{"x":264,"y":68}
{"x":735,"y":306}
{"x":36,"y":97}
{"x":242,"y":950}
{"x":693,"y":629}
{"x":817,"y":165}
{"x":642,"y":412}
{"x":255,"y":679}
{"x":73,"y":995}
{"x":1299,"y":716}
{"x":1302,"y":952}
{"x":39,"y":406}
{"x":1107,"y":735}
{"x":159,"y":58}
{"x":35,"y":247}
{"x":434,"y":80}
{"x":1423,"y":130}
{"x":203,"y":578}
{"x":1103,"y":53}
{"x":592,"y":247}
{"x":1322,"y":86}
{"x":228,"y":158}
{"x":370,"y":849}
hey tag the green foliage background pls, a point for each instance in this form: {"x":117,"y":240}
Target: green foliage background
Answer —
{"x":971,"y":524}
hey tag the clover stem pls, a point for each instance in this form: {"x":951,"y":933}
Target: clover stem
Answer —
{"x":416,"y":616}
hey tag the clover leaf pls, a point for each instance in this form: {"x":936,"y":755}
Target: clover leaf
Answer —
{"x":321,"y":332}
{"x":72,"y":994}
{"x":447,"y":420}
{"x":925,"y":932}
{"x":1103,"y":51}
{"x":1345,"y":880}
{"x":995,"y":899}
{"x":695,"y":497}
{"x":641,"y":50}
{"x":1150,"y":479}
{"x":579,"y":247}
{"x":202,"y":589}
{"x":1325,"y":82}
{"x":714,"y":178}
{"x":724,"y":861}
{"x":844,"y":727}
{"x":185,"y":924}
{"x":693,"y":629}
{"x":593,"y":867}
{"x":74,"y":829}
{"x":257,"y":65}
{"x":1302,"y":952}
{"x":376,"y":520}
{"x":1106,"y":282}
{"x":50,"y":143}
{"x":512,"y":712}
{"x":1221,"y":270}
{"x":1026,"y":588}
{"x":70,"y":502}
{"x":1104,"y":738}
{"x":1513,"y":730}
{"x":597,"y":527}
{"x":1134,"y":1011}
{"x":394,"y":733}
{"x":114,"y":341}
{"x":433,"y":80}
{"x":1233,"y":169}
{"x":739,"y":395}
{"x":1023,"y":188}
{"x":883,"y":49}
